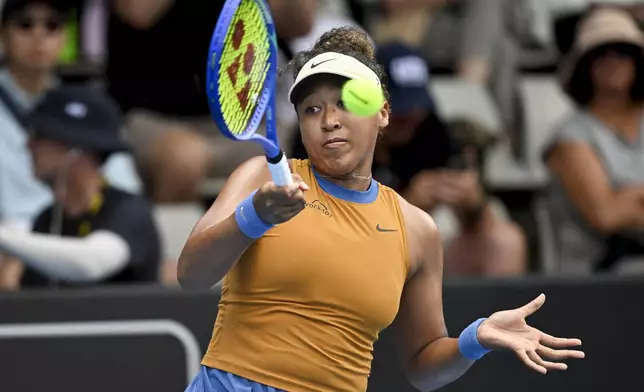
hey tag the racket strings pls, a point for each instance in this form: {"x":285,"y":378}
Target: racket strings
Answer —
{"x":244,"y":66}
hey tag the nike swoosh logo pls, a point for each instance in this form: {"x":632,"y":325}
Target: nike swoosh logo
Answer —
{"x":380,"y":229}
{"x":321,"y":62}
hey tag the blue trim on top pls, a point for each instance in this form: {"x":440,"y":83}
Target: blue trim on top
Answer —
{"x":335,"y":190}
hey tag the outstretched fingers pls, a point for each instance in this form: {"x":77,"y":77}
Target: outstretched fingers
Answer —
{"x":532,"y":360}
{"x":560,"y":355}
{"x":534,"y":356}
{"x":525,"y":358}
{"x":552,"y":341}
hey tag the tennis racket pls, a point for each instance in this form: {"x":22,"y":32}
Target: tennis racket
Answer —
{"x":241,"y":79}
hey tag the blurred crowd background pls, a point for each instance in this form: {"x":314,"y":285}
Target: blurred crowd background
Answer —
{"x":517,"y":124}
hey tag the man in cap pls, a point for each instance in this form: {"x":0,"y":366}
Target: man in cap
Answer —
{"x":94,"y":232}
{"x":32,"y":36}
{"x":420,"y":158}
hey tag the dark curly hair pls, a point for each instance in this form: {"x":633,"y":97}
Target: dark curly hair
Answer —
{"x":350,"y":41}
{"x":581,"y":87}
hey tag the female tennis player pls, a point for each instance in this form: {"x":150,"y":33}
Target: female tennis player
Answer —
{"x":315,"y":270}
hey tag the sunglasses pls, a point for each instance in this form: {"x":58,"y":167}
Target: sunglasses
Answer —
{"x":26,"y":23}
{"x":619,"y":49}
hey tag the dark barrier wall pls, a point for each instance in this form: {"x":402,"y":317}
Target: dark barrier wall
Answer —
{"x":146,"y":343}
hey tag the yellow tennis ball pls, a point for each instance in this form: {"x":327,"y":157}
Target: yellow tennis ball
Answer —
{"x":362,"y":97}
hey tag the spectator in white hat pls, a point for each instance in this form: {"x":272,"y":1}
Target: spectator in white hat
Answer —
{"x":596,"y":197}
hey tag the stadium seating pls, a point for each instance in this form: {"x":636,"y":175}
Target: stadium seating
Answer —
{"x":545,"y":105}
{"x":459,"y":98}
{"x":547,"y":263}
{"x":456,"y":98}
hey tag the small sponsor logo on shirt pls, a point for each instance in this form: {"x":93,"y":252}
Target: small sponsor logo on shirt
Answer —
{"x":318,"y":206}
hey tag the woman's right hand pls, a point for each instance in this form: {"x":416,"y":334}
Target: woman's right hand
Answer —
{"x":277,"y":204}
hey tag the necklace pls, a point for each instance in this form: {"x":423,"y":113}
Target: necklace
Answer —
{"x":356,"y":176}
{"x":362,"y":177}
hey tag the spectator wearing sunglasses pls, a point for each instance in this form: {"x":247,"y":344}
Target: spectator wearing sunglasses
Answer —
{"x":17,"y":12}
{"x":596,"y":198}
{"x":33,"y":37}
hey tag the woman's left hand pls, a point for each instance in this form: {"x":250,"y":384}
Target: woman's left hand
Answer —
{"x":508,"y":330}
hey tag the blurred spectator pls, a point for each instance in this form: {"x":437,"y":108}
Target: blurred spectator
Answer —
{"x":108,"y":235}
{"x":422,"y":160}
{"x":596,"y":198}
{"x":329,"y":15}
{"x":33,"y":36}
{"x":472,"y":37}
{"x":155,"y":64}
{"x":419,"y":158}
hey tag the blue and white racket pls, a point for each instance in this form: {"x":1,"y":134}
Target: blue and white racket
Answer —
{"x":241,"y":79}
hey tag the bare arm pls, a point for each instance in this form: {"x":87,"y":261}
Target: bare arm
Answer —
{"x":88,"y":259}
{"x":293,"y":18}
{"x":216,"y":242}
{"x":142,"y":14}
{"x":433,"y":358}
{"x":584,"y":179}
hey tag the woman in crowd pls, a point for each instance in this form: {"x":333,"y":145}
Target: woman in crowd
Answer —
{"x":596,"y":197}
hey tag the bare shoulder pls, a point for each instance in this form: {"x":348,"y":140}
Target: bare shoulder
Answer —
{"x":417,"y":222}
{"x":422,"y":233}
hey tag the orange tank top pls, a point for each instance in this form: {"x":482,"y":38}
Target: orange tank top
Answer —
{"x":302,"y":308}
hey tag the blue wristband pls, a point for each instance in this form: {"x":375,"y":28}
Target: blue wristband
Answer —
{"x":248,"y":221}
{"x":469,"y":344}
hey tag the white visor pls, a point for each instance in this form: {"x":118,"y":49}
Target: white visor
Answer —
{"x":335,"y":64}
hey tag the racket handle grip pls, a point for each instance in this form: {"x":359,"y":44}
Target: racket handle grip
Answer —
{"x":280,"y":171}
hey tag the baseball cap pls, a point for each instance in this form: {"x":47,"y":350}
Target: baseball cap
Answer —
{"x":12,"y":7}
{"x":333,"y":63}
{"x":408,"y":76}
{"x":79,"y":116}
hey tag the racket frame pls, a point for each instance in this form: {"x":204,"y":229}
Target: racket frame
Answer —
{"x":277,"y":161}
